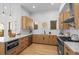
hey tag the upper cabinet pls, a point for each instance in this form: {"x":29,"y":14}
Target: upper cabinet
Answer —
{"x":70,"y":16}
{"x":76,"y":14}
{"x":66,"y":15}
{"x":27,"y":23}
{"x":60,"y":20}
{"x":63,"y":16}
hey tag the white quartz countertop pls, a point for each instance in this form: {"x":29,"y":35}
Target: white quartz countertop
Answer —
{"x":3,"y":39}
{"x":74,"y":46}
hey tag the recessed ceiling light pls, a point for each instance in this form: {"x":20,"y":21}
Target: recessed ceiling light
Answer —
{"x":33,"y":6}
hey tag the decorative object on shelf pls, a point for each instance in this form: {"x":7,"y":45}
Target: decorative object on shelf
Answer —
{"x":44,"y":25}
{"x":35,"y":25}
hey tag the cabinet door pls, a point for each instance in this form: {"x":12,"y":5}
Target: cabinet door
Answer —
{"x":76,"y":13}
{"x":26,"y":22}
{"x":23,"y":43}
{"x":67,"y":50}
{"x":2,"y":49}
{"x":52,"y":40}
{"x":40,"y":39}
{"x":45,"y":39}
{"x":37,"y":39}
{"x":66,"y":16}
{"x":34,"y":38}
{"x":23,"y":22}
{"x":61,"y":16}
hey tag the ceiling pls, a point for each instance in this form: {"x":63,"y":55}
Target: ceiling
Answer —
{"x":41,"y":7}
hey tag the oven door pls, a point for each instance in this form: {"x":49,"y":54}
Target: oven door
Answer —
{"x":60,"y":47}
{"x":60,"y":50}
{"x":10,"y":45}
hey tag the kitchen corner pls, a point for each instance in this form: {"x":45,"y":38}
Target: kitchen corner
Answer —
{"x":12,"y":45}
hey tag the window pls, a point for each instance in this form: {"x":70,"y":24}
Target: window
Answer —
{"x":53,"y":25}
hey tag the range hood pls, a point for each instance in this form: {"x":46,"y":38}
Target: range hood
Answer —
{"x":70,"y":21}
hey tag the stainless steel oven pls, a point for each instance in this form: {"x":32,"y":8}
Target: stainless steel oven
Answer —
{"x":11,"y":44}
{"x":60,"y":47}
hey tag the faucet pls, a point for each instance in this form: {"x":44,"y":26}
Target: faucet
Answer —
{"x":44,"y":32}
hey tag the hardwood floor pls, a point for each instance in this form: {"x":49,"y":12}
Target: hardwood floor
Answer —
{"x":40,"y":49}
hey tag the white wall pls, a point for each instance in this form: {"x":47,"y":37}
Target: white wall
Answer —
{"x":45,"y":17}
{"x":15,"y":20}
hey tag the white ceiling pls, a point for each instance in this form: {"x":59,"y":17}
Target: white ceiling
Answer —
{"x":41,"y":7}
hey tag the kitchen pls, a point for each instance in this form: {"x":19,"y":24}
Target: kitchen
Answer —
{"x":39,"y":29}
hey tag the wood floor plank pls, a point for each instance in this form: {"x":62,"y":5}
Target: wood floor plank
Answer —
{"x":40,"y":49}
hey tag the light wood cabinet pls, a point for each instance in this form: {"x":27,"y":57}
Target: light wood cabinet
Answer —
{"x":61,"y":16}
{"x":37,"y":38}
{"x":67,"y":50}
{"x":76,"y":14}
{"x":27,"y":22}
{"x":66,"y":16}
{"x":23,"y":43}
{"x":52,"y":40}
{"x":44,"y":39}
{"x":2,"y":48}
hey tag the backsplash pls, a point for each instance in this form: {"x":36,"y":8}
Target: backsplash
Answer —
{"x":72,"y":31}
{"x":41,"y":31}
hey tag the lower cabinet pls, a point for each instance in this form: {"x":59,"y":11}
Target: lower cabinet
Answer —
{"x":67,"y":50}
{"x":44,"y":39}
{"x":23,"y":43}
{"x":37,"y":38}
{"x":52,"y":40}
{"x":2,"y":48}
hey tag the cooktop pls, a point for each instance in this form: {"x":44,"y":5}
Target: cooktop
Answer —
{"x":68,"y":39}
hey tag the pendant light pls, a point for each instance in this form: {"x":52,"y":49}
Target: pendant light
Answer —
{"x":10,"y":13}
{"x":3,"y":10}
{"x":10,"y":18}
